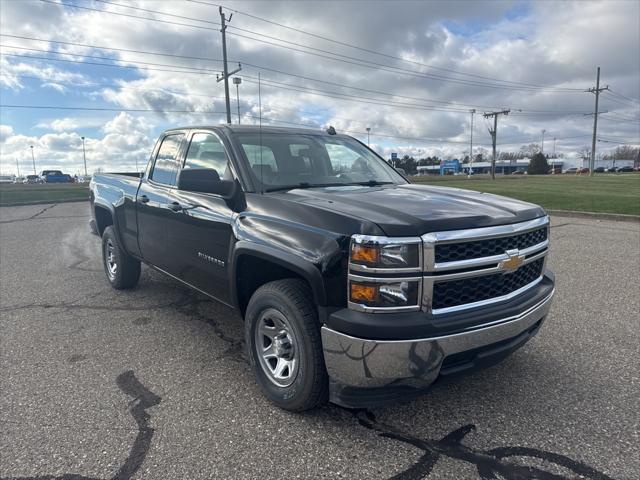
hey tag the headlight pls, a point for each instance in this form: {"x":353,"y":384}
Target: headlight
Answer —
{"x":369,"y":253}
{"x":399,"y":259}
{"x":384,"y":294}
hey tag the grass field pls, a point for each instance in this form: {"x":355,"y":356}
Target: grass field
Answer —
{"x":603,"y":193}
{"x":54,"y":192}
{"x":618,"y":193}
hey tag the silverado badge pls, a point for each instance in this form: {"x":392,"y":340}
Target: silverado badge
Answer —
{"x":511,"y":264}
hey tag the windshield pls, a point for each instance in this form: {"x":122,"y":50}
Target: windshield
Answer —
{"x":281,"y":161}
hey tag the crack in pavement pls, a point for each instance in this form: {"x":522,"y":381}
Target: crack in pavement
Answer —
{"x":142,"y":399}
{"x":491,"y":464}
{"x":35,"y":215}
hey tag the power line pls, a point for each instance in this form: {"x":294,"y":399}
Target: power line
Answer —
{"x":635,"y":100}
{"x":368,"y":50}
{"x":353,"y":61}
{"x":260,"y":67}
{"x":208,"y":112}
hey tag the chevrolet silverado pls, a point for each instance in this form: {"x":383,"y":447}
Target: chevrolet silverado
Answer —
{"x":355,"y":286}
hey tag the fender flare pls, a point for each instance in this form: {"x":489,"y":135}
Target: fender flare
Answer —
{"x":292,"y":262}
{"x":99,"y":203}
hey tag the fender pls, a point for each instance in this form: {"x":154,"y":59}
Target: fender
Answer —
{"x":300,"y":266}
{"x":103,"y":203}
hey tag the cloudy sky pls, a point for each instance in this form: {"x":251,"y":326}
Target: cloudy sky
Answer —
{"x":119,"y":72}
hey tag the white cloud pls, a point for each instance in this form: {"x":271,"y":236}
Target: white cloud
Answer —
{"x":5,"y":132}
{"x":126,"y":143}
{"x":60,"y":124}
{"x":545,"y":43}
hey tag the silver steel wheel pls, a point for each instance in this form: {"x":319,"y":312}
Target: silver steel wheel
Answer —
{"x":276,"y":347}
{"x":110,"y":259}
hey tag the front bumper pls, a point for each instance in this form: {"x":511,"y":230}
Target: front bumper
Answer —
{"x":365,"y":372}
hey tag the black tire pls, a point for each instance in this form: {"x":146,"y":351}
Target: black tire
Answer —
{"x":127,"y":269}
{"x":291,"y":298}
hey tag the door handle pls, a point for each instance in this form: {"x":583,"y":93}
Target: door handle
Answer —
{"x":143,"y":199}
{"x":175,"y":207}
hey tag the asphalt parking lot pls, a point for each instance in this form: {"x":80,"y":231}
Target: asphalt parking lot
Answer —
{"x":153,"y":383}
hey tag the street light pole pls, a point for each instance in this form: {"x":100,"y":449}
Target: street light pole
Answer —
{"x":543,"y":132}
{"x":34,"y":160}
{"x":473,"y":110}
{"x":237,"y":81}
{"x":84,"y":156}
{"x":368,"y":136}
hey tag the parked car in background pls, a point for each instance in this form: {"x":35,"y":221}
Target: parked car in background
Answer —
{"x":520,"y":171}
{"x":19,"y":179}
{"x":626,"y":169}
{"x":32,"y":179}
{"x":599,"y":170}
{"x":583,"y":170}
{"x":6,"y":179}
{"x":571,"y":170}
{"x":612,"y":169}
{"x":55,"y":176}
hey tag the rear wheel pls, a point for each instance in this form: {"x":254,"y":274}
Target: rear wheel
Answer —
{"x":284,"y":345}
{"x":123,"y":271}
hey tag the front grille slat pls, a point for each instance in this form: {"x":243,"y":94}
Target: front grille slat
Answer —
{"x":451,"y":252}
{"x":474,"y":289}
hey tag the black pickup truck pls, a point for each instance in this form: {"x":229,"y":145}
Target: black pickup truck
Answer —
{"x":355,"y":285}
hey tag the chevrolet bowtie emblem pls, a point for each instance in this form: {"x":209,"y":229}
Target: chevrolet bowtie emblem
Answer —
{"x":511,"y":264}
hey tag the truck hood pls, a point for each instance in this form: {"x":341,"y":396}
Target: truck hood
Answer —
{"x":410,"y":210}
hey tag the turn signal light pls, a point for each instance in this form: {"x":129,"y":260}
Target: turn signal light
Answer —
{"x":363,"y":293}
{"x":364,"y":254}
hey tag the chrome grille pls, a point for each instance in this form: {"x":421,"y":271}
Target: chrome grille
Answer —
{"x":477,"y":289}
{"x":452,"y":252}
{"x":468,"y":268}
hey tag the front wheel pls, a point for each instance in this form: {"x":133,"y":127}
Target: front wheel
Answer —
{"x":285,"y":348}
{"x":123,"y":271}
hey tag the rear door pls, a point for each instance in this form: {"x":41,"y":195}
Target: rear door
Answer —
{"x":199,"y":236}
{"x":154,"y":199}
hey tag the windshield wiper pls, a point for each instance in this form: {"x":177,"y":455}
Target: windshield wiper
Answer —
{"x":370,"y":183}
{"x":297,"y":185}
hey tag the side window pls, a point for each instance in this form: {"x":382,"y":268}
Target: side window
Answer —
{"x":165,"y":169}
{"x":206,"y":151}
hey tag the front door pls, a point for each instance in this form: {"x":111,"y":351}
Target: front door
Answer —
{"x":199,"y":237}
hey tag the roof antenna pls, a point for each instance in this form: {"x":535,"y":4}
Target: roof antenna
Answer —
{"x":260,"y":134}
{"x":331,"y":130}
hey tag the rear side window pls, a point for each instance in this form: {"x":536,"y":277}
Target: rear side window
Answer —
{"x":165,"y":170}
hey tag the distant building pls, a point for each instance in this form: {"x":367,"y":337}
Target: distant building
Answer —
{"x":503,"y":167}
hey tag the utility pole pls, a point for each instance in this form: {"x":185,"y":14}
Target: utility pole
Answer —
{"x":553,"y":162}
{"x":597,"y":91}
{"x":34,"y":160}
{"x":472,"y":111}
{"x":368,"y":136}
{"x":84,"y":156}
{"x":237,"y":81}
{"x":226,"y":73}
{"x":542,"y":148}
{"x":494,"y":134}
{"x":18,"y":167}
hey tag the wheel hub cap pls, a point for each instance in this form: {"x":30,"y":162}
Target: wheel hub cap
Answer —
{"x":275,"y":345}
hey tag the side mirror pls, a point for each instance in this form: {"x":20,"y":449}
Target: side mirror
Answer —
{"x":401,"y":172}
{"x":204,"y":180}
{"x":207,"y":180}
